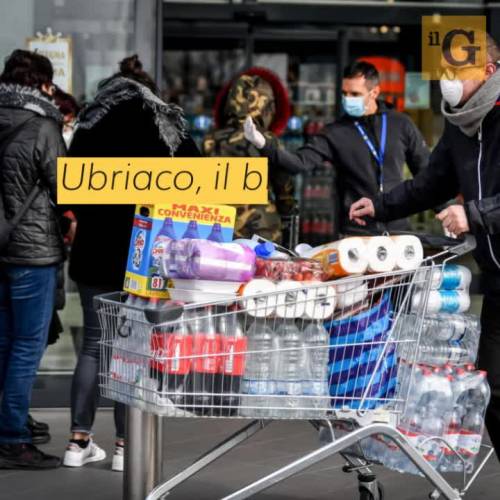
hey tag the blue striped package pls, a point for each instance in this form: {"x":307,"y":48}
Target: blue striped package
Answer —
{"x":357,"y":344}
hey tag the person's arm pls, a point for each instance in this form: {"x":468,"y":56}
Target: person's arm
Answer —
{"x":484,"y":215}
{"x":417,"y":152}
{"x":48,"y":147}
{"x":304,"y":159}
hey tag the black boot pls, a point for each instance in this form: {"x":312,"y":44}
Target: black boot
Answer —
{"x":39,"y":431}
{"x":26,"y":456}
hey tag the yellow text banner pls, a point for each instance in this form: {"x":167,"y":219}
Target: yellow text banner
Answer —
{"x":223,"y":181}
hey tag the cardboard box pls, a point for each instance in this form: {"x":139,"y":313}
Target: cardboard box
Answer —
{"x":142,"y":275}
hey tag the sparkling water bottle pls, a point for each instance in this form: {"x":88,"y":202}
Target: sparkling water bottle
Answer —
{"x":289,"y":376}
{"x":316,"y":352}
{"x":450,"y":461}
{"x":256,"y":385}
{"x":471,"y":435}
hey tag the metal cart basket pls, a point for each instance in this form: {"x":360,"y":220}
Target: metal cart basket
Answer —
{"x":263,"y":358}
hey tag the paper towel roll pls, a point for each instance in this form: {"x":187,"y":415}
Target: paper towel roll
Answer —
{"x":341,"y":258}
{"x":409,"y":252}
{"x":290,"y":303}
{"x":320,"y":302}
{"x":259,"y":307}
{"x":452,"y":277}
{"x":449,"y":301}
{"x":381,"y":254}
{"x":349,"y":294}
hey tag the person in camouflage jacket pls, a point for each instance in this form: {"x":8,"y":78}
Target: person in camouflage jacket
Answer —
{"x":260,"y":94}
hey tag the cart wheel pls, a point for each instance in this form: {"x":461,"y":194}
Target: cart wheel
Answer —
{"x":366,"y":494}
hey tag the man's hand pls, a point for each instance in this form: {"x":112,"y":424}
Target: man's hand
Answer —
{"x":361,"y":208}
{"x":454,"y":219}
{"x":252,"y":135}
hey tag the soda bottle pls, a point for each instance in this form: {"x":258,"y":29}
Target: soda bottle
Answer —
{"x":191,"y":231}
{"x":316,"y":353}
{"x":256,"y":384}
{"x":206,"y":350}
{"x":289,"y":376}
{"x":232,"y":361}
{"x":216,"y":233}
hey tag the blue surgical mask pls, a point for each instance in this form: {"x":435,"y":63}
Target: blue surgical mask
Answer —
{"x":354,"y":106}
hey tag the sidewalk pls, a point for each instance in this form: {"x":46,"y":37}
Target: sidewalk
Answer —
{"x":276,"y":445}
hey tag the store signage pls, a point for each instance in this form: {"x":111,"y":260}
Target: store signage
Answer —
{"x":58,"y":50}
{"x":160,"y":180}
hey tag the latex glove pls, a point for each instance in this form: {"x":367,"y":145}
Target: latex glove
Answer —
{"x":454,"y":219}
{"x":360,"y":209}
{"x":252,"y":135}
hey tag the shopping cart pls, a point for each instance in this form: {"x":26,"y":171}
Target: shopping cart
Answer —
{"x":193,"y":359}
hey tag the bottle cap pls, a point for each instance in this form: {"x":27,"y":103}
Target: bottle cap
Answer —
{"x":264,"y":249}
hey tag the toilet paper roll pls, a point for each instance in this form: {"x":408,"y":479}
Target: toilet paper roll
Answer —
{"x":452,"y":277}
{"x":341,"y":258}
{"x":320,"y":302}
{"x":291,"y":303}
{"x":259,"y":307}
{"x":409,"y":252}
{"x":349,"y":294}
{"x":447,"y":301}
{"x":381,"y":254}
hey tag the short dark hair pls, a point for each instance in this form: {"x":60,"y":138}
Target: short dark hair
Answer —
{"x":131,"y":67}
{"x":27,"y":68}
{"x":65,"y":102}
{"x":363,"y":68}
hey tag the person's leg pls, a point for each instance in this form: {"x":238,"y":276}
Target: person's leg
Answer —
{"x":118,"y":457}
{"x":5,"y":326}
{"x":31,"y":304}
{"x":489,"y":360}
{"x":85,"y":387}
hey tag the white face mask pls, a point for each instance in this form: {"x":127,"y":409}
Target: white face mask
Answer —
{"x":452,"y":91}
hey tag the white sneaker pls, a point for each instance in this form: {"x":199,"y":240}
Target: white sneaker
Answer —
{"x":77,"y":457}
{"x":117,"y":463}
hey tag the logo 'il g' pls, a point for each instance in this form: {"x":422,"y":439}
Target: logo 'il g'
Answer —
{"x":470,"y":50}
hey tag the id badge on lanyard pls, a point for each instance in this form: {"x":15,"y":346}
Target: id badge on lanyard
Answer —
{"x":378,"y":155}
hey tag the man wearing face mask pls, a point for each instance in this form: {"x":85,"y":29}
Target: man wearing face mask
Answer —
{"x":368,"y":146}
{"x":465,"y":161}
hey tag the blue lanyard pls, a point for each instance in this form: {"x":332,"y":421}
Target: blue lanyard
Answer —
{"x":378,"y":155}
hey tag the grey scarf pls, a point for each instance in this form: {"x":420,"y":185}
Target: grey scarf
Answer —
{"x":21,"y":97}
{"x":169,"y":118}
{"x":470,"y":116}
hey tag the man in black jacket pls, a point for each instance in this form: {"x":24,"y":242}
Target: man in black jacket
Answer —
{"x":465,"y":161}
{"x":368,"y":146}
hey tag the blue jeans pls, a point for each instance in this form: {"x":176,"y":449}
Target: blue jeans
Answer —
{"x":27,"y":295}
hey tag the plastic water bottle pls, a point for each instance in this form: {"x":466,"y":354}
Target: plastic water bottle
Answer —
{"x":450,"y":461}
{"x":471,"y":436}
{"x":216,"y":233}
{"x":316,"y":352}
{"x":440,"y":352}
{"x":232,"y":362}
{"x":432,"y":426}
{"x":192,"y":231}
{"x":256,"y":385}
{"x":206,"y":350}
{"x":289,"y":375}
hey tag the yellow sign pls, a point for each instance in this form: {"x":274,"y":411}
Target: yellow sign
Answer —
{"x":59,"y":51}
{"x":133,"y":181}
{"x":453,"y":47}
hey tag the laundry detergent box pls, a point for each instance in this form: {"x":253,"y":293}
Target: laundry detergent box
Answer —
{"x":153,"y":223}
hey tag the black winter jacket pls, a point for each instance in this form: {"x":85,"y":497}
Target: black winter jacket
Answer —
{"x":29,"y":156}
{"x":125,"y":120}
{"x":357,"y":172}
{"x":466,"y":165}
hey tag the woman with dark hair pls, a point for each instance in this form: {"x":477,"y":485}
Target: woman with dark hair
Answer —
{"x":126,"y":119}
{"x":30,"y":142}
{"x":69,"y":108}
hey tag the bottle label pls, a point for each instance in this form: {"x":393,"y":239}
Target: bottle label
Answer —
{"x":470,"y":444}
{"x":179,"y":350}
{"x":249,"y":386}
{"x":452,"y":438}
{"x":207,"y":348}
{"x":233,"y":361}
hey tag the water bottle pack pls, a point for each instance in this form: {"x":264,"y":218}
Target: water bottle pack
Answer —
{"x":445,"y":338}
{"x":446,"y":404}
